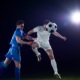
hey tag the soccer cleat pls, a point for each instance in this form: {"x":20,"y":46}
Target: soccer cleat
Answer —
{"x":57,"y":76}
{"x":39,"y":57}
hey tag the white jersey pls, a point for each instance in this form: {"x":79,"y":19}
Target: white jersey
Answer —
{"x":42,"y":35}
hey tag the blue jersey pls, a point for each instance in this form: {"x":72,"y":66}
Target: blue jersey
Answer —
{"x":18,"y":32}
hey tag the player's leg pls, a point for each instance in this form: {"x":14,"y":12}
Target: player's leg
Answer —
{"x":5,"y":63}
{"x":7,"y":60}
{"x":49,"y":51}
{"x":15,"y":56}
{"x":17,"y":70}
{"x":35,"y":46}
{"x":53,"y":62}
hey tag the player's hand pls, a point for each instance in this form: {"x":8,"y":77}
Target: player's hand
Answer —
{"x":29,"y":43}
{"x":64,"y":38}
{"x":34,"y":38}
{"x":29,"y":38}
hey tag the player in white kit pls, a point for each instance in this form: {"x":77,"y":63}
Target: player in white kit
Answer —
{"x":42,"y":41}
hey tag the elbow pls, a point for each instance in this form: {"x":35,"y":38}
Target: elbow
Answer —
{"x":32,"y":31}
{"x":18,"y":41}
{"x":28,"y":32}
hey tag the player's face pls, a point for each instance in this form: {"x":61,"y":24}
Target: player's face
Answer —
{"x":44,"y":26}
{"x":21,"y":26}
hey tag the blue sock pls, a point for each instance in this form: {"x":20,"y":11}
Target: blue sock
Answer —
{"x":17,"y":73}
{"x":1,"y":64}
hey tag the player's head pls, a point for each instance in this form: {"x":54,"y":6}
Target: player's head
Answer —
{"x":20,"y":24}
{"x":45,"y":23}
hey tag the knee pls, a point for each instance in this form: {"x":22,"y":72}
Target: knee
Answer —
{"x":5,"y":63}
{"x":51,"y":57}
{"x":18,"y":66}
{"x":33,"y":46}
{"x":50,"y":54}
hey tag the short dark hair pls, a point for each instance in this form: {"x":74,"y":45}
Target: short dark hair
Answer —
{"x":19,"y":22}
{"x":46,"y":21}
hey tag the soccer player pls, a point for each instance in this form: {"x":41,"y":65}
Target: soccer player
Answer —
{"x":14,"y":51}
{"x":42,"y":41}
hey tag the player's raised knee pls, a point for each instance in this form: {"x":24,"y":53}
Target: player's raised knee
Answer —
{"x":33,"y":46}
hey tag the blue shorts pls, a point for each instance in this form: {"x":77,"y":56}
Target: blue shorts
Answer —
{"x":14,"y":54}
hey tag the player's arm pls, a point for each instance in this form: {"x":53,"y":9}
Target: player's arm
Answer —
{"x":60,"y":36}
{"x":26,"y":36}
{"x":18,"y":39}
{"x":30,"y":32}
{"x":36,"y":29}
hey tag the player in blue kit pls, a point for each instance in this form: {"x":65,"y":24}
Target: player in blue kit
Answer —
{"x":14,"y":51}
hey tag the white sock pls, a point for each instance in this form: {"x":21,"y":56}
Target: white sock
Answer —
{"x":54,"y":66}
{"x":36,"y":51}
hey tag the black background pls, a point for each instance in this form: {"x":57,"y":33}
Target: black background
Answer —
{"x":34,"y":12}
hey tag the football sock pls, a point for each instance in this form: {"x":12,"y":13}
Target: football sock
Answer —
{"x":1,"y":64}
{"x":17,"y":73}
{"x":54,"y":66}
{"x":36,"y":51}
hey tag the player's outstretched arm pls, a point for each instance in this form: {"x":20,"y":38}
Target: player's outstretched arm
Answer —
{"x":18,"y":39}
{"x":26,"y":36}
{"x":29,"y":37}
{"x":30,"y":32}
{"x":60,"y":36}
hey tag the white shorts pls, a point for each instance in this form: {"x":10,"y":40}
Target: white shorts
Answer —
{"x":45,"y":46}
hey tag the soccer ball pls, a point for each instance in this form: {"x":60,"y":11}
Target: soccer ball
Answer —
{"x":51,"y":27}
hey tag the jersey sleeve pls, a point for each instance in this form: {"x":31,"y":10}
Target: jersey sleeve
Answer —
{"x":36,"y":29}
{"x":18,"y":33}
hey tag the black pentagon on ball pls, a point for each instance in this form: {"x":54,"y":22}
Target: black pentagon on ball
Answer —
{"x":50,"y":25}
{"x":55,"y":26}
{"x":51,"y":31}
{"x":46,"y":29}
